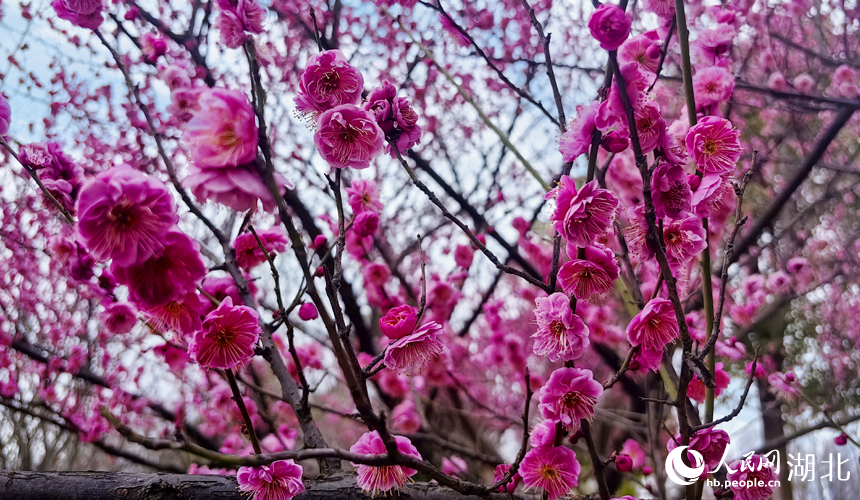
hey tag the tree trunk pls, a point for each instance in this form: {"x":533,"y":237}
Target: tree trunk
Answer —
{"x":26,"y":485}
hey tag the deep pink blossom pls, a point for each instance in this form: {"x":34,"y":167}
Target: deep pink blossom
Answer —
{"x":454,"y":466}
{"x":554,"y":470}
{"x":167,"y":276}
{"x":411,"y":353}
{"x":223,"y":133}
{"x":118,"y":317}
{"x":280,"y":480}
{"x":395,"y":116}
{"x":654,"y":326}
{"x":237,"y":18}
{"x":714,"y":145}
{"x":399,"y":321}
{"x":308,"y":311}
{"x":152,"y":46}
{"x":84,"y":13}
{"x":569,"y":396}
{"x":5,"y":115}
{"x":663,"y":8}
{"x":645,"y":359}
{"x":634,"y":450}
{"x":649,"y":124}
{"x":753,"y":478}
{"x":227,"y":338}
{"x":248,"y":252}
{"x":328,"y":81}
{"x":685,"y":238}
{"x":363,"y":195}
{"x":180,"y":315}
{"x":348,"y":136}
{"x":696,"y":389}
{"x":463,"y":255}
{"x":404,"y":418}
{"x":670,"y":191}
{"x":594,"y":275}
{"x":614,"y":141}
{"x":500,"y":472}
{"x":561,"y":334}
{"x":610,"y":26}
{"x":238,"y":188}
{"x":710,"y":443}
{"x":576,"y":140}
{"x":583,"y":216}
{"x":713,"y":85}
{"x":123,"y":215}
{"x":382,"y":478}
{"x":543,"y":434}
{"x":643,"y":50}
{"x":366,"y":224}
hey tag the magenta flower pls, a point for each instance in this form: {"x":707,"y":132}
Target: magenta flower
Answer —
{"x":118,"y":317}
{"x":328,"y":81}
{"x":576,"y":140}
{"x":5,"y":115}
{"x":363,"y":196}
{"x":708,"y":193}
{"x":684,"y":238}
{"x":399,"y":321}
{"x":238,"y":188}
{"x":84,"y":13}
{"x":308,"y":311}
{"x":166,"y":276}
{"x":643,"y":50}
{"x":227,"y":338}
{"x":123,"y":215}
{"x":366,"y":224}
{"x":649,"y":124}
{"x":663,"y":8}
{"x":710,"y":443}
{"x":238,"y":17}
{"x":454,"y":466}
{"x":646,"y":359}
{"x":753,"y":478}
{"x":713,"y":85}
{"x":670,"y":191}
{"x":569,"y":396}
{"x":561,"y":334}
{"x":696,"y":388}
{"x":585,"y":215}
{"x":395,"y":117}
{"x":152,"y":46}
{"x":554,"y":470}
{"x":181,"y":315}
{"x":382,"y":478}
{"x":594,"y":275}
{"x":61,"y":176}
{"x":223,"y":133}
{"x":348,"y":136}
{"x":411,"y":353}
{"x":248,"y":252}
{"x":500,"y":472}
{"x":280,"y":480}
{"x":543,"y":434}
{"x":714,"y":145}
{"x":610,"y":26}
{"x":654,"y":326}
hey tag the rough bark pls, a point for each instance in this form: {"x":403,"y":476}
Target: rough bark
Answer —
{"x":48,"y":485}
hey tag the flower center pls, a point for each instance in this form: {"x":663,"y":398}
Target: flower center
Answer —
{"x":225,"y":337}
{"x":329,"y":82}
{"x":571,"y":399}
{"x":549,"y":472}
{"x":123,"y":215}
{"x":710,"y":147}
{"x":557,"y":328}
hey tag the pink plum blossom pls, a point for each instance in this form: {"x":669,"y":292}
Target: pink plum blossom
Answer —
{"x":411,"y":353}
{"x":348,"y":136}
{"x":654,"y":326}
{"x":223,"y":133}
{"x":714,"y":145}
{"x":569,"y":396}
{"x":227,"y":338}
{"x":610,"y":26}
{"x":399,"y":321}
{"x":280,"y":480}
{"x":755,"y":474}
{"x":670,"y":191}
{"x":382,"y":478}
{"x":248,"y":252}
{"x":554,"y":470}
{"x":561,"y":334}
{"x":328,"y":81}
{"x":583,"y":215}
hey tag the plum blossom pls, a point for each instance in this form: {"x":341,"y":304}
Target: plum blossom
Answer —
{"x":348,"y":136}
{"x":84,"y":13}
{"x":118,"y":317}
{"x":382,"y":478}
{"x":363,"y":195}
{"x":713,"y":85}
{"x":239,"y":188}
{"x":237,"y":18}
{"x":583,"y":215}
{"x":554,"y":470}
{"x":569,"y":396}
{"x":411,"y":353}
{"x":643,"y":50}
{"x":610,"y":26}
{"x":594,"y":275}
{"x":561,"y":334}
{"x":227,"y":338}
{"x":328,"y":81}
{"x":399,"y":321}
{"x":696,"y":389}
{"x":500,"y":472}
{"x":395,"y":117}
{"x":280,"y":480}
{"x":223,"y":133}
{"x":5,"y":115}
{"x":123,"y":215}
{"x":248,"y":252}
{"x":164,"y":277}
{"x":654,"y":326}
{"x":710,"y":443}
{"x":577,"y":138}
{"x":670,"y":191}
{"x":714,"y":145}
{"x":755,"y":475}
